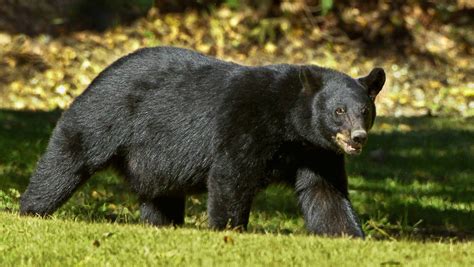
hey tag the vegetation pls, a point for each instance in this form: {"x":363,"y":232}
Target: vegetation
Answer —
{"x":425,"y":46}
{"x":34,"y":242}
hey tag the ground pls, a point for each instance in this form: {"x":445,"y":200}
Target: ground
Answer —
{"x":65,"y":243}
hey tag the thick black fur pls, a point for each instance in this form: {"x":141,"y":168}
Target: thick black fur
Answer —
{"x":176,"y":122}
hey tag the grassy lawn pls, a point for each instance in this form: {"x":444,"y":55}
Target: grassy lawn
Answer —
{"x":64,"y":242}
{"x":413,"y":188}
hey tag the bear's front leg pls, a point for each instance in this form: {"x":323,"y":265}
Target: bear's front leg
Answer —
{"x":325,"y":204}
{"x":230,"y":198}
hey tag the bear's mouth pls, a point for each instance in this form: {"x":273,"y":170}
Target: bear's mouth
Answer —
{"x":346,"y":145}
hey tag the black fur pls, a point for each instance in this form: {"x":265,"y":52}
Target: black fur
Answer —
{"x":176,"y":122}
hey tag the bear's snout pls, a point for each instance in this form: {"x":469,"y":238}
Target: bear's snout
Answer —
{"x":359,"y":136}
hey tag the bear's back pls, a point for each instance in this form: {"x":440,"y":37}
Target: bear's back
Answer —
{"x":156,"y":108}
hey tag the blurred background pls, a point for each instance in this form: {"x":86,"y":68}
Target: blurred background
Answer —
{"x":50,"y":50}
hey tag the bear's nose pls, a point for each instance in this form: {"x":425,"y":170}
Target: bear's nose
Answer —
{"x":359,"y":136}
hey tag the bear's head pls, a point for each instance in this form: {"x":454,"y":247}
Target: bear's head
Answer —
{"x":339,"y":110}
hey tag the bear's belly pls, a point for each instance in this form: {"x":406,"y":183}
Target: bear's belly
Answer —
{"x":152,"y":172}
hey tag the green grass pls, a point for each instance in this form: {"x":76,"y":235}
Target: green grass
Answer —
{"x":30,"y":241}
{"x":413,"y":188}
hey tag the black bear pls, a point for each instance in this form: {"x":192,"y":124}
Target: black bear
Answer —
{"x":175,"y":122}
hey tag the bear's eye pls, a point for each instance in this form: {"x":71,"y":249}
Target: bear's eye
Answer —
{"x":365,"y":111}
{"x":340,"y":111}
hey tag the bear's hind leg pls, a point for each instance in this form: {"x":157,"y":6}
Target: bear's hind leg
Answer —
{"x":59,"y":173}
{"x":163,"y":210}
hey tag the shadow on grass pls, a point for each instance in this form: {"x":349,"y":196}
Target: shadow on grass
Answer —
{"x":418,"y":171}
{"x":415,"y":171}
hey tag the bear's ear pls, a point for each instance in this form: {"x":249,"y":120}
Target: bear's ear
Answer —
{"x":311,"y":83}
{"x":373,"y":82}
